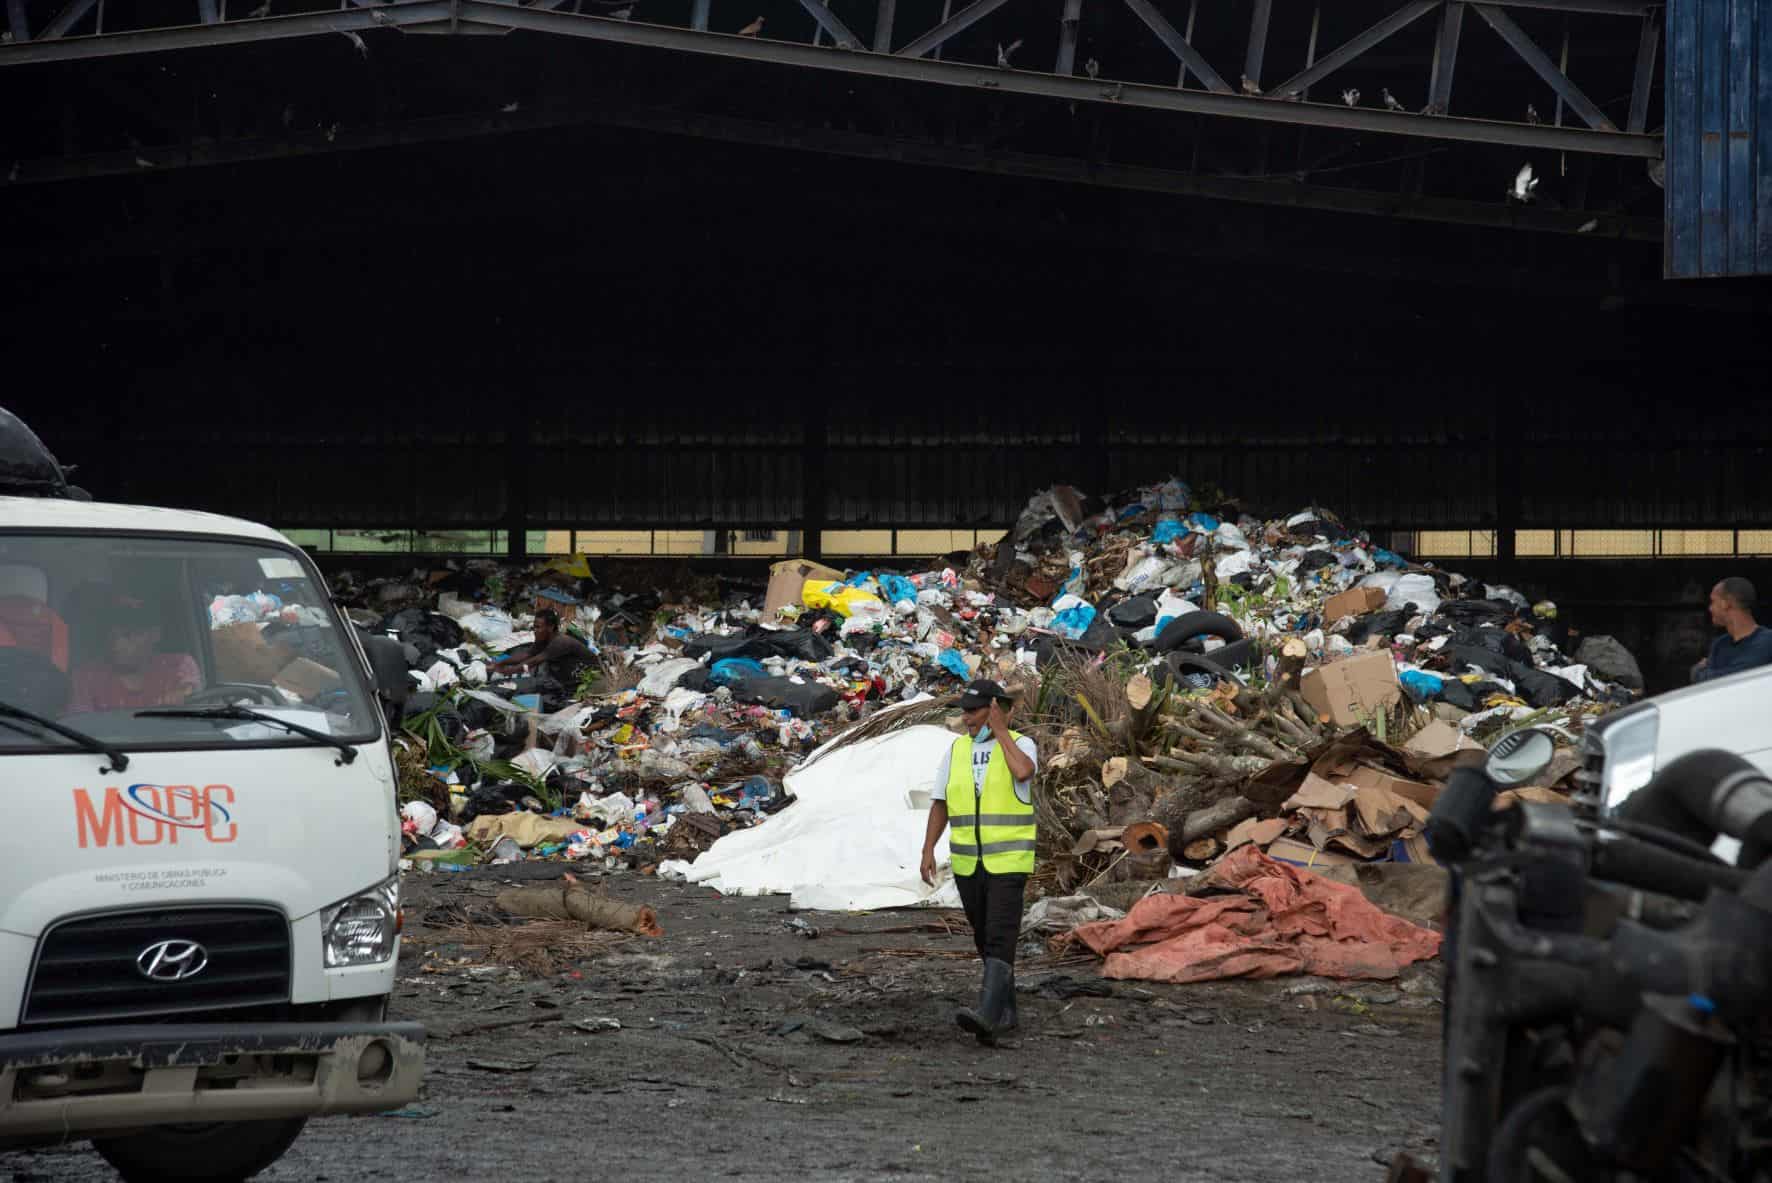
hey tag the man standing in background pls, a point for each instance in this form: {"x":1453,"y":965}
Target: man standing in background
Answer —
{"x":984,"y":788}
{"x":1744,"y":645}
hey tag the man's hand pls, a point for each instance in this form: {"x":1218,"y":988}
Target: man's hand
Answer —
{"x":998,"y":721}
{"x":928,"y":867}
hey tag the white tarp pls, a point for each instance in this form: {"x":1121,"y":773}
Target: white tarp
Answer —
{"x":852,"y":840}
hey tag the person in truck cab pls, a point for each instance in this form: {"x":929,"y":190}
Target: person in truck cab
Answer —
{"x":134,"y":675}
{"x":1744,"y":645}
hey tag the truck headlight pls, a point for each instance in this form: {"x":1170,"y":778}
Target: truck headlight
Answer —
{"x":361,"y":930}
{"x":1629,"y":746}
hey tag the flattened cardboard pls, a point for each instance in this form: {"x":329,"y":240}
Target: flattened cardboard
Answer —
{"x":1531,"y":793}
{"x":787,"y":578}
{"x":1318,"y":793}
{"x":1419,"y":794}
{"x":1355,"y":601}
{"x":1380,"y":812}
{"x":1352,"y":691}
{"x":1303,"y":854}
{"x":1250,"y":830}
{"x":1438,"y":738}
{"x":305,"y":679}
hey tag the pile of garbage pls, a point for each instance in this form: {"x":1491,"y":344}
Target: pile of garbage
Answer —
{"x":1183,"y":665}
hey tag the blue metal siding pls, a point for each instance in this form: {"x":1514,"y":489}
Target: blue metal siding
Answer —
{"x":1719,"y":138}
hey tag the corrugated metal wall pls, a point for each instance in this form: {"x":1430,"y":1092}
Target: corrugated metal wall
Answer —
{"x":1719,"y":138}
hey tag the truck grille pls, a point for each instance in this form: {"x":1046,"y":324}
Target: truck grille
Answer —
{"x":87,"y":970}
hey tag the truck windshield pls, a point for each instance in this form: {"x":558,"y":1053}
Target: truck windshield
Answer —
{"x":97,"y":628}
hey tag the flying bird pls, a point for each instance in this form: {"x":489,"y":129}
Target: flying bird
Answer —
{"x":1351,"y":97}
{"x":1531,"y":114}
{"x":1588,"y":227}
{"x":1524,"y":184}
{"x":752,"y":29}
{"x":332,"y":133}
{"x":143,"y":162}
{"x":1092,"y":68}
{"x":1005,"y":52}
{"x":1390,"y":100}
{"x":1250,"y":86}
{"x":511,"y":107}
{"x":356,"y":42}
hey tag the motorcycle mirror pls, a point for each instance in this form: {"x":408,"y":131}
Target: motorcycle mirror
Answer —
{"x":1518,"y":756}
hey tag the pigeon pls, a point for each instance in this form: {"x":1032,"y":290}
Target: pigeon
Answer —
{"x":1588,"y":227}
{"x":1524,"y":184}
{"x":1390,"y":100}
{"x":379,"y":17}
{"x":1092,"y":68}
{"x":752,"y":29}
{"x":332,"y":133}
{"x":261,"y":11}
{"x":1004,"y":53}
{"x":1531,"y":114}
{"x":356,"y":42}
{"x":1294,"y":96}
{"x":1351,"y":97}
{"x":510,"y":108}
{"x":143,"y":162}
{"x":1113,"y":93}
{"x":1249,"y":85}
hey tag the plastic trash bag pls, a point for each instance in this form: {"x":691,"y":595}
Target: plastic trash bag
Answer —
{"x":838,"y":597}
{"x":898,"y":589}
{"x":1414,"y":589}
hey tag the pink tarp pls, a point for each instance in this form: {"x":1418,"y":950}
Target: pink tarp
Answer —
{"x":1284,"y":920}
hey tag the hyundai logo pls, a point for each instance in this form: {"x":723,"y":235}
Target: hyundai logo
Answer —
{"x":171,"y":961}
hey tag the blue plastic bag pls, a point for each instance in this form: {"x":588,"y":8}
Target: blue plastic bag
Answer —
{"x":1385,"y":558}
{"x":859,"y":579}
{"x":953,"y":663}
{"x":1204,"y":522}
{"x":1420,"y":685}
{"x":1075,"y":621}
{"x":731,"y":669}
{"x":1168,"y":530}
{"x":898,"y":589}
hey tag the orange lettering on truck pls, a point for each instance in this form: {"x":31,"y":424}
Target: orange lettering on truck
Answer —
{"x":155,"y":814}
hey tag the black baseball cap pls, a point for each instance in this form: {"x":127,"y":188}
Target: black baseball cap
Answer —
{"x":981,"y":691}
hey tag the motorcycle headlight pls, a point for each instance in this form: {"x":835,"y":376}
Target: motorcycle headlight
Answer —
{"x":1629,"y":746}
{"x":361,"y":930}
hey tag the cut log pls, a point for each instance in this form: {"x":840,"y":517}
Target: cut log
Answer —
{"x":571,"y":901}
{"x":1293,"y":654}
{"x":1221,"y":816}
{"x":1144,"y":837}
{"x":1144,"y":701}
{"x":1201,"y":850}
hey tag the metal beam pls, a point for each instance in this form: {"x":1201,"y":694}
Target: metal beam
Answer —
{"x":1189,"y":57}
{"x":1261,"y":12}
{"x":958,"y":23}
{"x":1025,"y":82}
{"x":836,"y":28}
{"x":1067,"y":37}
{"x":207,"y":12}
{"x":1546,"y":69}
{"x":1439,"y":90}
{"x":883,"y":17}
{"x":1648,"y":42}
{"x":276,"y":28}
{"x":1341,"y":55}
{"x":66,"y":19}
{"x":1597,"y":7}
{"x":16,"y":24}
{"x":698,"y":14}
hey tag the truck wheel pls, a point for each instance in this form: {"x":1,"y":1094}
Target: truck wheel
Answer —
{"x":220,"y":1152}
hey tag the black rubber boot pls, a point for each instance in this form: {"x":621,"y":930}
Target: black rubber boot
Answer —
{"x":996,"y":1001}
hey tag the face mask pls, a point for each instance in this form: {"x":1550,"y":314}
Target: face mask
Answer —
{"x":983,"y":733}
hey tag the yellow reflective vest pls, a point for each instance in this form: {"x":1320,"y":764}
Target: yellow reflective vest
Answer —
{"x":993,"y":825}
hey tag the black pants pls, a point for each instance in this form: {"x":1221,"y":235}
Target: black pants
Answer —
{"x":993,"y":908}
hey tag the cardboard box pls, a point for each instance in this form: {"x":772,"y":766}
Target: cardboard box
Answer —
{"x":1354,"y":690}
{"x":1317,"y":793}
{"x":1253,"y":830}
{"x":243,"y":655}
{"x":1419,"y":795}
{"x":1355,"y":601}
{"x":787,"y":578}
{"x":1303,"y":854}
{"x":1439,"y":738}
{"x":305,"y":679}
{"x":1381,"y":812}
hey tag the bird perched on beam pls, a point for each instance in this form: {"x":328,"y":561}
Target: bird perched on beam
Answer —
{"x":752,"y":29}
{"x":1390,"y":100}
{"x":1250,"y":86}
{"x":1532,"y":114}
{"x":1351,"y":97}
{"x":1005,"y":52}
{"x":1092,"y":68}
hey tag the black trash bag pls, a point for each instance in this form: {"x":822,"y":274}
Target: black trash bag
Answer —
{"x":1099,"y":637}
{"x":805,"y":699}
{"x":1610,"y":662}
{"x":493,"y":799}
{"x":698,"y":680}
{"x":1234,"y":656}
{"x":466,"y":585}
{"x":1314,"y":560}
{"x":1196,"y":624}
{"x":27,"y":467}
{"x":1380,"y":624}
{"x":1485,"y":659}
{"x":1464,"y":697}
{"x":1136,"y":612}
{"x":1496,"y":640}
{"x":425,"y":631}
{"x":759,"y":643}
{"x":1542,"y":689}
{"x":1475,"y":612}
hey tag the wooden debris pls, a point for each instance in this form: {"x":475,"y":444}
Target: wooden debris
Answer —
{"x":573,"y":902}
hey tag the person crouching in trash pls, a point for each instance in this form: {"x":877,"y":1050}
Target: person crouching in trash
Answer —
{"x":984,"y":789}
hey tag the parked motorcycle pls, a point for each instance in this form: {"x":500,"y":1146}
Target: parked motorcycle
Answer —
{"x":1608,"y":979}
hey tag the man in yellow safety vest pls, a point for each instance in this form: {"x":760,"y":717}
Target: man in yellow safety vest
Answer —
{"x":984,"y":789}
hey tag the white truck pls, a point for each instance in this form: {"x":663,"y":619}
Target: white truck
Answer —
{"x":1622,"y":751}
{"x":199,"y":893}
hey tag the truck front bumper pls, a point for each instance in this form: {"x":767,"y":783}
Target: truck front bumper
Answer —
{"x":79,"y":1081}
